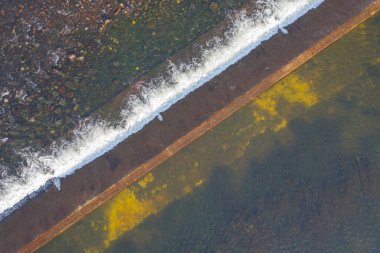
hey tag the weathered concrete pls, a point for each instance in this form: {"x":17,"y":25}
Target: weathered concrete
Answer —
{"x":52,"y":212}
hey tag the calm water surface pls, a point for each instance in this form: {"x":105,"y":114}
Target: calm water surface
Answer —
{"x":295,"y":170}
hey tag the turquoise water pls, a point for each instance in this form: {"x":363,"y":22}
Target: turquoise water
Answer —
{"x":295,"y":170}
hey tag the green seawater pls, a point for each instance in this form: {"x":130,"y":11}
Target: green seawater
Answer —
{"x":295,"y":170}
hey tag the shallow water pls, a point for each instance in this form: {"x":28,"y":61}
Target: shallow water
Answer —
{"x":61,"y":64}
{"x":43,"y":168}
{"x":296,"y":170}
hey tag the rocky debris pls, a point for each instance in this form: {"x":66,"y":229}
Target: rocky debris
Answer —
{"x":214,"y":7}
{"x":3,"y":140}
{"x":41,"y":48}
{"x":61,"y":60}
{"x":72,"y":57}
{"x":116,"y":64}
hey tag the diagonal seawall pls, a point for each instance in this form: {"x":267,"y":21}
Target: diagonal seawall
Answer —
{"x":52,"y":212}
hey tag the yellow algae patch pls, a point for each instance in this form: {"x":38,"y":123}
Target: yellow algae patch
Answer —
{"x":273,"y":109}
{"x":268,"y":104}
{"x":134,"y":204}
{"x":298,"y":91}
{"x":281,"y":125}
{"x":146,"y":180}
{"x":258,"y":117}
{"x":200,"y":182}
{"x":125,"y":212}
{"x":291,"y":89}
{"x":187,"y":189}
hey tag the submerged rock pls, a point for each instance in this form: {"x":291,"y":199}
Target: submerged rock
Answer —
{"x":214,"y":7}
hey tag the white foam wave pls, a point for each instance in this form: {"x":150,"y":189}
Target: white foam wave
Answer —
{"x":246,"y":33}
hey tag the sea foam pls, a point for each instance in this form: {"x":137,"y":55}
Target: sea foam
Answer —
{"x":42,"y":170}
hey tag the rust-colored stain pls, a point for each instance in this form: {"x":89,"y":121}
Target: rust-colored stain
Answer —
{"x":46,"y":216}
